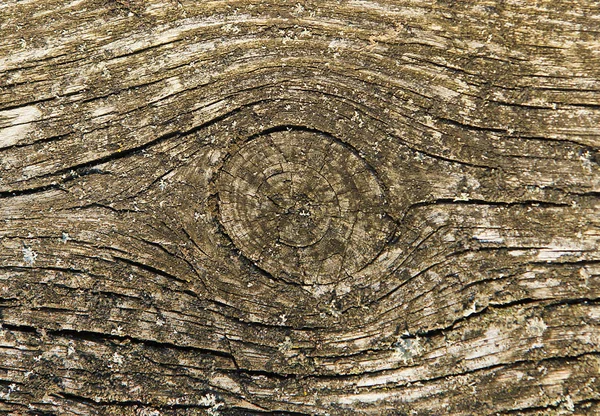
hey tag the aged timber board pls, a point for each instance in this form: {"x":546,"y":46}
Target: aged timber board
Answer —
{"x":297,"y":208}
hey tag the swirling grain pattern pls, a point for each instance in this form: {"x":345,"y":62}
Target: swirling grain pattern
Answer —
{"x":296,"y":208}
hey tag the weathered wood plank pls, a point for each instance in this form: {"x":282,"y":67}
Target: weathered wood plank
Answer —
{"x":244,"y":207}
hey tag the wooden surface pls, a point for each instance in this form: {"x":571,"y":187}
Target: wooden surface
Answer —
{"x":330,"y":208}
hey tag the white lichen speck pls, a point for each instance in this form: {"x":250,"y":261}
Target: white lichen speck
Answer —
{"x":210,"y":401}
{"x":117,"y":358}
{"x":29,"y":255}
{"x":406,"y":349}
{"x":536,"y":327}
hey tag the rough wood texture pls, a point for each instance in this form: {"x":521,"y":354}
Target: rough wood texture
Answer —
{"x":332,"y":207}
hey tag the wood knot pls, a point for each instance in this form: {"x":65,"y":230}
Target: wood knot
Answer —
{"x":303,"y":206}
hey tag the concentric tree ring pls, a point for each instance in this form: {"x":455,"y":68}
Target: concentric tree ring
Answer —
{"x":303,"y":206}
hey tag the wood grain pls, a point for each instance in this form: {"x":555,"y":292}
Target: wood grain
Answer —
{"x":297,"y":208}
